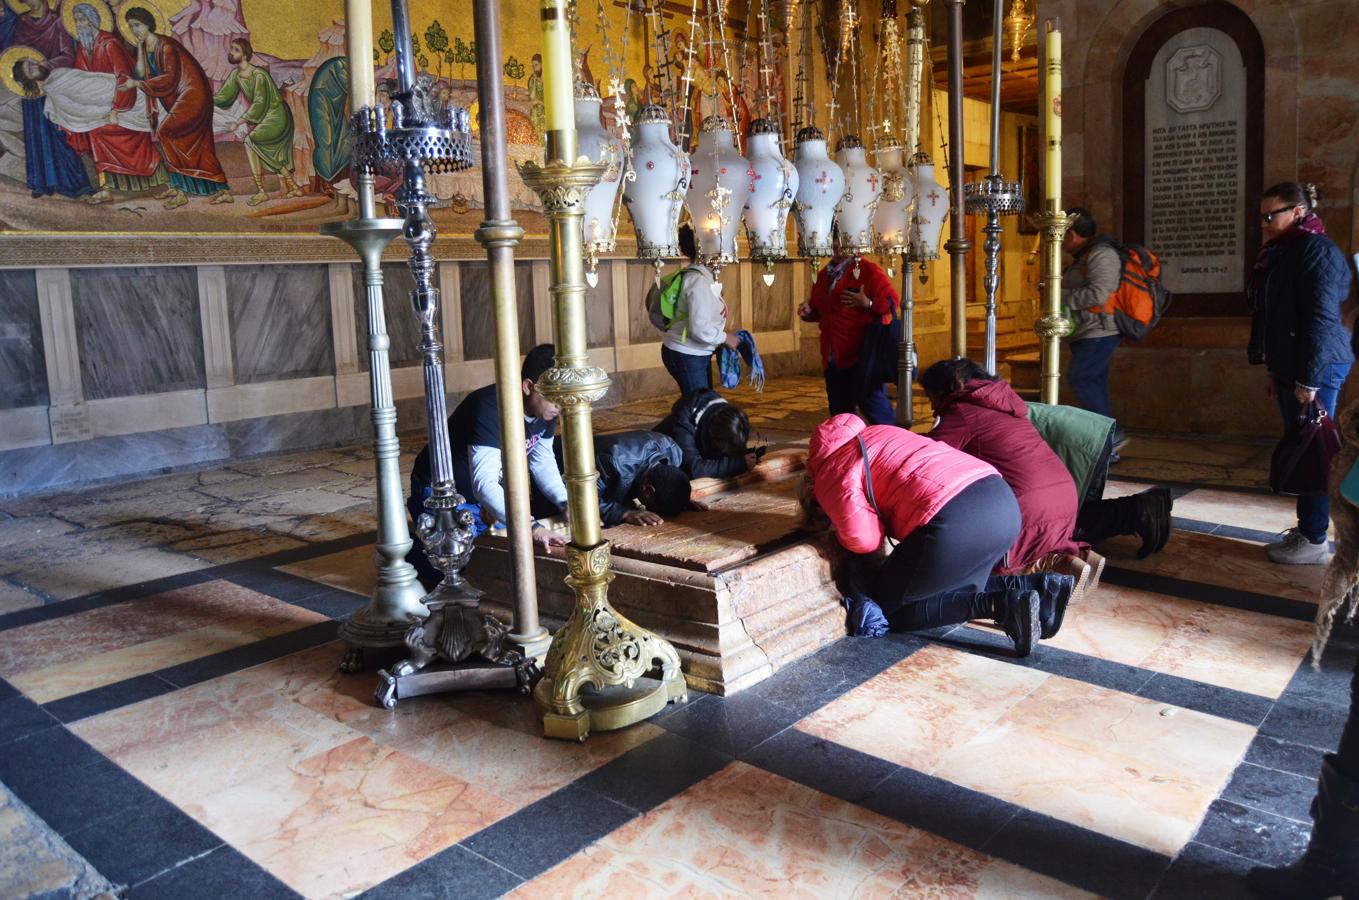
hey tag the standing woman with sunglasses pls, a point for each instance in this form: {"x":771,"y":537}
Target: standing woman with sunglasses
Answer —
{"x":1297,"y":287}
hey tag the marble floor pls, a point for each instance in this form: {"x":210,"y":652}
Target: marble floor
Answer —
{"x":173,"y":722}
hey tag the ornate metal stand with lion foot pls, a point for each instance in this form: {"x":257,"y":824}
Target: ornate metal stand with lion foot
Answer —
{"x":458,"y":648}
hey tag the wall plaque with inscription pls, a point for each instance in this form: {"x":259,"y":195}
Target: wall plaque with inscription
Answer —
{"x":1195,"y":186}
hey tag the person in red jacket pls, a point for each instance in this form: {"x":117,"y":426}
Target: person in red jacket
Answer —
{"x":982,"y":415}
{"x":953,"y":517}
{"x":846,"y":296}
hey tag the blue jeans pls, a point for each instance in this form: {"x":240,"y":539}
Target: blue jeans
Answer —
{"x":690,"y":372}
{"x":846,"y":393}
{"x":1089,"y":372}
{"x":1314,"y":513}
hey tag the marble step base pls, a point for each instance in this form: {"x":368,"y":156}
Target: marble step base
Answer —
{"x":732,"y":629}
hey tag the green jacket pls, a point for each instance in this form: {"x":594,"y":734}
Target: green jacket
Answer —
{"x":1078,"y":437}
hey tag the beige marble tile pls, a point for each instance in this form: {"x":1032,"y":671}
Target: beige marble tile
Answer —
{"x":914,"y":713}
{"x":1217,"y":645}
{"x":1264,"y":512}
{"x":101,"y":567}
{"x":348,"y":818}
{"x":1114,"y":488}
{"x":272,"y":484}
{"x":350,"y":570}
{"x":356,"y":519}
{"x":1127,"y":767}
{"x":744,"y":832}
{"x":224,"y":547}
{"x":58,"y":658}
{"x":1211,"y":559}
{"x":28,"y":529}
{"x":957,"y":872}
{"x":13,"y":597}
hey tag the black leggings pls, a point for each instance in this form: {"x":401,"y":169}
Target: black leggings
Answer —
{"x":934,"y":576}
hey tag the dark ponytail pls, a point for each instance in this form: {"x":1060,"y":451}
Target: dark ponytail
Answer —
{"x":1305,"y":195}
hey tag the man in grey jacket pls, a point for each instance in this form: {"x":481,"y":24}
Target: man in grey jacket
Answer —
{"x":1087,"y":284}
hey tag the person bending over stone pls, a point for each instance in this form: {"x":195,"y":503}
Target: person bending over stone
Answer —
{"x":953,"y":517}
{"x":980,"y":414}
{"x":711,"y":433}
{"x":478,"y":467}
{"x":640,"y":479}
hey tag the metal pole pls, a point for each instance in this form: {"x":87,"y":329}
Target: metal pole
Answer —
{"x":996,"y":37}
{"x":991,"y":246}
{"x":622,"y":693}
{"x":906,"y":361}
{"x":958,"y":246}
{"x":499,"y":234}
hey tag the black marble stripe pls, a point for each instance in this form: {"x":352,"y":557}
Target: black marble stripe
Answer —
{"x":127,"y":831}
{"x":1069,"y":853}
{"x":172,"y":678}
{"x":1219,"y":529}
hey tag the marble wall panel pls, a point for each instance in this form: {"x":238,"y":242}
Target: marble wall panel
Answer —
{"x":731,"y":295}
{"x":478,"y":325}
{"x":599,"y":309}
{"x":138,"y":330}
{"x":280,"y":322}
{"x":402,"y":327}
{"x":641,"y":275}
{"x":773,"y":305}
{"x":23,"y":368}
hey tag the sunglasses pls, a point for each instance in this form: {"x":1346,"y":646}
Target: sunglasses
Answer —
{"x":1269,"y":216}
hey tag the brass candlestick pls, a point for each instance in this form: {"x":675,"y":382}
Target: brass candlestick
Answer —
{"x":596,"y":675}
{"x":1052,"y":326}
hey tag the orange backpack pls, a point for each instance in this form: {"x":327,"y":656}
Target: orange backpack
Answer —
{"x":1141,"y":298}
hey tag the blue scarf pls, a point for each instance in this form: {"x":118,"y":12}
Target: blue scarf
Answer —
{"x":729,"y":362}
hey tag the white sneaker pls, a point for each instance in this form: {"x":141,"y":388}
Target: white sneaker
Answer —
{"x":1295,"y":550}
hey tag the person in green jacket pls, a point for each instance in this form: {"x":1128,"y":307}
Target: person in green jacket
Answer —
{"x":328,"y":109}
{"x":1084,"y":441}
{"x":266,"y":125}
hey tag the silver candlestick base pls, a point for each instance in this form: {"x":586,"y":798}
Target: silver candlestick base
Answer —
{"x":994,"y":197}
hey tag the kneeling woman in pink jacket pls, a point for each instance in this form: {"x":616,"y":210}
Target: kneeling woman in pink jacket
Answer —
{"x":953,"y":515}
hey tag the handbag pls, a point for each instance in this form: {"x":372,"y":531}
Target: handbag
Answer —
{"x":1301,"y":462}
{"x":882,"y":346}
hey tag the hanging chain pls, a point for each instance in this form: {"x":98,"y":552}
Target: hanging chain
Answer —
{"x":616,"y":62}
{"x":832,"y":121}
{"x":855,"y":52}
{"x":685,"y":119}
{"x":891,"y":81}
{"x":873,"y":127}
{"x":938,"y":116}
{"x":802,"y":100}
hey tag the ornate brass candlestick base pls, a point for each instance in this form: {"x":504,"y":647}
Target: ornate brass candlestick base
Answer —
{"x":396,"y":602}
{"x":595,"y":676}
{"x":1052,"y":326}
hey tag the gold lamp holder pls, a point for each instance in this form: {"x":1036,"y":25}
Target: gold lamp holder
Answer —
{"x":1052,"y":325}
{"x":598,"y":671}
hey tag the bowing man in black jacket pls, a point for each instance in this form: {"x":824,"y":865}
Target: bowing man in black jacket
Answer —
{"x":711,"y":434}
{"x":639,"y":478}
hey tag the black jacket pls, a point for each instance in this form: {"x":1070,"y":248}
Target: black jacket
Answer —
{"x":1295,"y":327}
{"x":685,"y":425}
{"x":622,"y":459}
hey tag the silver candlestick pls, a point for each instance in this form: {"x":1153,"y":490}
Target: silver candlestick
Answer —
{"x":426,"y":135}
{"x":396,"y":599}
{"x":993,"y":196}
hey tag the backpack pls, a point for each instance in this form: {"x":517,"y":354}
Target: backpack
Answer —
{"x":1141,"y":298}
{"x":661,"y":298}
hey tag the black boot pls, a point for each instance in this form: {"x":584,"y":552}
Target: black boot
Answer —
{"x":1146,"y":515}
{"x":1017,"y":611}
{"x":1330,"y":867}
{"x":1054,"y":593}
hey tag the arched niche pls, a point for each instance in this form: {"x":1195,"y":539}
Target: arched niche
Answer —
{"x":1193,"y":123}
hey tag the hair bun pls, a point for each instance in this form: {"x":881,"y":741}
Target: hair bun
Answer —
{"x":1313,"y":194}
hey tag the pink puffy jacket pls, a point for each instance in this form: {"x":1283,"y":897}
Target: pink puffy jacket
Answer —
{"x":913,"y":477}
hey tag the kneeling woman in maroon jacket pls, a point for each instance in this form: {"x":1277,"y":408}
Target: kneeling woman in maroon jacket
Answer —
{"x":953,"y":517}
{"x":982,"y":416}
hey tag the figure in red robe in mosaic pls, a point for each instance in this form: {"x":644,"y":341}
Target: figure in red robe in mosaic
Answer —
{"x":124,"y":160}
{"x":171,"y":76}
